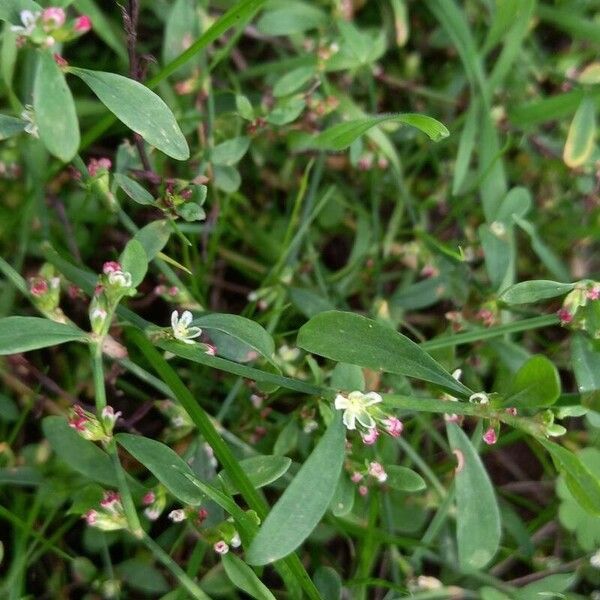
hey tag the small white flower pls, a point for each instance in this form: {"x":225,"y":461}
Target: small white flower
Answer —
{"x":177,"y":515}
{"x":29,"y":20}
{"x":595,"y":560}
{"x":181,"y":327}
{"x":377,"y":471}
{"x":152,"y":513}
{"x":236,"y":542}
{"x":355,"y":408}
{"x":221,"y":547}
{"x":120,"y":279}
{"x":479,"y":398}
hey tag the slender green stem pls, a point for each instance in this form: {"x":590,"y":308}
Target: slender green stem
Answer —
{"x":190,"y":585}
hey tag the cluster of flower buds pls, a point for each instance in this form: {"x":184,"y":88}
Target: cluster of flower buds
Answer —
{"x":266,"y":296}
{"x":90,"y":427}
{"x":373,"y":470}
{"x":98,"y":182}
{"x":45,"y":28}
{"x":113,"y":284}
{"x":109,"y":516}
{"x":154,"y":503}
{"x":44,"y":290}
{"x":184,"y":199}
{"x":581,"y":308}
{"x":362,"y":409}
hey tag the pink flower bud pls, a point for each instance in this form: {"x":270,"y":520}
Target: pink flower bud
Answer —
{"x":489,"y":437}
{"x":53,"y":16}
{"x":90,"y":517}
{"x":111,"y":498}
{"x":60,"y":61}
{"x":177,"y":515}
{"x":202,"y":514}
{"x":221,"y":547}
{"x":149,"y":498}
{"x":363,"y":490}
{"x":594,"y":293}
{"x":98,"y":164}
{"x":371,"y":437}
{"x":211,"y":350}
{"x":38,"y":287}
{"x":377,"y":471}
{"x":356,"y":477}
{"x":173,"y":291}
{"x":564,"y":315}
{"x":111,"y":266}
{"x":83,"y":24}
{"x":394,"y":426}
{"x":512,"y":411}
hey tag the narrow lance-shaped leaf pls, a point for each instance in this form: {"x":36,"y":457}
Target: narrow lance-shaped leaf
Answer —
{"x":528,"y":292}
{"x":303,"y":503}
{"x":21,"y":334}
{"x":351,"y":338}
{"x":139,"y":108}
{"x":341,"y":135}
{"x":54,"y":109}
{"x":477,"y":515}
{"x":165,"y":464}
{"x":133,"y":189}
{"x":580,"y":139}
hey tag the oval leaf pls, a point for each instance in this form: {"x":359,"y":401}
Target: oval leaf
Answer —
{"x":528,"y":292}
{"x":580,"y":139}
{"x":536,"y":384}
{"x":347,"y":337}
{"x":303,"y":503}
{"x":404,"y":479}
{"x":165,"y":464}
{"x":154,"y":237}
{"x":54,"y":109}
{"x":20,"y":334}
{"x":341,"y":136}
{"x":133,"y":189}
{"x":139,"y":108}
{"x":260,"y":470}
{"x":244,"y":578}
{"x":81,"y":455}
{"x":133,"y":259}
{"x":478,"y":517}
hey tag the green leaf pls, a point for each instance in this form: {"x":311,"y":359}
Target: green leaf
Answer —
{"x":54,"y":109}
{"x":21,"y":334}
{"x":536,"y":384}
{"x":549,"y":587}
{"x":342,"y":135}
{"x":134,"y":190}
{"x":244,"y":578}
{"x":133,"y":259}
{"x":182,"y":27}
{"x":261,"y":470}
{"x":165,"y":464}
{"x":477,"y":515}
{"x":81,"y":455}
{"x":286,"y":110}
{"x":139,"y":108}
{"x":404,"y":479}
{"x":291,"y":17}
{"x":244,"y":108}
{"x":227,"y":178}
{"x":347,"y":337}
{"x":304,"y":502}
{"x":142,"y":576}
{"x":582,"y":131}
{"x":10,"y":126}
{"x":293,"y":81}
{"x":582,"y":483}
{"x":328,"y":582}
{"x":347,"y":377}
{"x":343,"y":497}
{"x":154,"y":237}
{"x":248,"y":332}
{"x":586,"y":363}
{"x":465,"y":147}
{"x":230,"y":152}
{"x":529,"y":292}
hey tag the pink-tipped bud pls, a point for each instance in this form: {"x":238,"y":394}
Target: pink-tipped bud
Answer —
{"x":210,"y":350}
{"x":221,"y":547}
{"x":38,"y":287}
{"x":377,"y":471}
{"x":60,"y":61}
{"x":594,"y":293}
{"x":53,"y":16}
{"x":363,"y":490}
{"x":98,"y":164}
{"x":564,"y":315}
{"x":83,"y":24}
{"x":173,"y":291}
{"x":149,"y":498}
{"x":512,"y":411}
{"x":111,"y":266}
{"x":356,"y":477}
{"x":394,"y":426}
{"x":202,"y":515}
{"x":90,"y":517}
{"x":371,"y":437}
{"x":177,"y":515}
{"x":490,"y":437}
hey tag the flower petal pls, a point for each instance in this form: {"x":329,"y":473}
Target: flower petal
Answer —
{"x":174,"y":320}
{"x":341,"y":402}
{"x":186,"y":318}
{"x":365,"y":419}
{"x":372,"y":398}
{"x":349,"y":420}
{"x":193,"y":332}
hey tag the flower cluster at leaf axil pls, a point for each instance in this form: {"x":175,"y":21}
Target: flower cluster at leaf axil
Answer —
{"x":92,"y":428}
{"x":109,"y":515}
{"x":49,"y":26}
{"x":581,"y":308}
{"x":44,"y":290}
{"x":113,"y":284}
{"x":361,"y":409}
